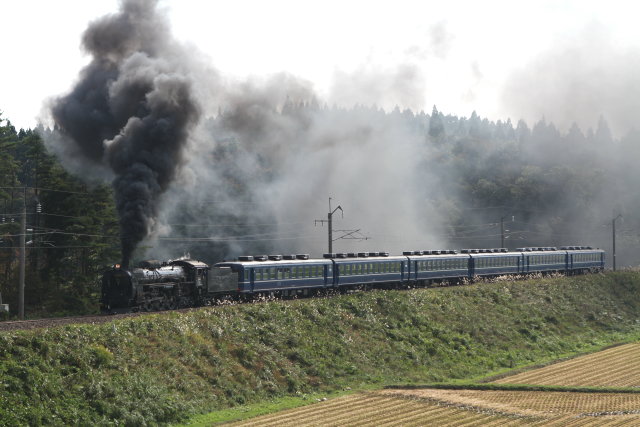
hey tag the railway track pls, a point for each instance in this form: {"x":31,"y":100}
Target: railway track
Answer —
{"x":17,"y":325}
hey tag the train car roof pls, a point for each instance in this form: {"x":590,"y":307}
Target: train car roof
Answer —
{"x":444,"y":256}
{"x":271,"y":263}
{"x":370,"y":258}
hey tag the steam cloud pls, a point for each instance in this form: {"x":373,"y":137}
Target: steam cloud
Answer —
{"x":262,"y":165}
{"x":577,"y":81}
{"x":131,"y":110}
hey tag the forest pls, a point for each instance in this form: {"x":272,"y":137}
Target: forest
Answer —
{"x":471,"y":183}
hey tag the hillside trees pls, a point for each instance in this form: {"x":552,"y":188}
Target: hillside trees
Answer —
{"x":71,"y":228}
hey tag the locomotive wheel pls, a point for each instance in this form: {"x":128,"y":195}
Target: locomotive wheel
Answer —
{"x":169,"y":303}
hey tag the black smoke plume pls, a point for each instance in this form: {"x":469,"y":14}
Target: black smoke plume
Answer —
{"x":131,"y":110}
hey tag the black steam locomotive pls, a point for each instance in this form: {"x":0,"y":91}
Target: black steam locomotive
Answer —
{"x":187,"y":283}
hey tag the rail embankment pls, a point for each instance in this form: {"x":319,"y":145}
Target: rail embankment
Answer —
{"x":161,"y":368}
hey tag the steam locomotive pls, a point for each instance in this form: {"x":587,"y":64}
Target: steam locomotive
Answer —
{"x":179,"y":283}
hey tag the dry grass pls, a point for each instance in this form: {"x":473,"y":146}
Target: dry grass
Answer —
{"x":614,"y":367}
{"x":462,"y":407}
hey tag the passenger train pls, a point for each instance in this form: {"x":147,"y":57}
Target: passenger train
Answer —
{"x":187,"y":283}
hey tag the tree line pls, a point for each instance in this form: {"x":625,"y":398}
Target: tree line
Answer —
{"x":71,"y":228}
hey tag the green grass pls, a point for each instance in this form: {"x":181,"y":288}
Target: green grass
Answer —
{"x":164,"y":368}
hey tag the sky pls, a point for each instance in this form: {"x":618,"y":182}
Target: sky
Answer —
{"x":503,"y":59}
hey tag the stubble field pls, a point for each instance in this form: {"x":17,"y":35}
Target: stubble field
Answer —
{"x":613,"y":367}
{"x":428,"y":407}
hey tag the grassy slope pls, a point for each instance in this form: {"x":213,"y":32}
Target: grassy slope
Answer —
{"x":160,"y":368}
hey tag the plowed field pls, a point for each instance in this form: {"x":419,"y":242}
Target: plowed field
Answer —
{"x":614,"y":367}
{"x":429,"y":407}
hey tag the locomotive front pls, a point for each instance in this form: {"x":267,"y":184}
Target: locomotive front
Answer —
{"x":118,"y":290}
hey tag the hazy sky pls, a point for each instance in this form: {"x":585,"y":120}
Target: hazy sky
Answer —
{"x":460,"y":55}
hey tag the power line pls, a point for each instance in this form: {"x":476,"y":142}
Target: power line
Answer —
{"x":23,"y":187}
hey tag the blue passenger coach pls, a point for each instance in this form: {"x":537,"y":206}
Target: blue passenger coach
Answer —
{"x":430,"y":266}
{"x":581,"y":259}
{"x":494,"y":262}
{"x":369,"y":268}
{"x":543,"y":260}
{"x":277,"y":273}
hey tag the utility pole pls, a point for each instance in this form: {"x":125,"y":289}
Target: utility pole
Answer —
{"x":23,"y":250}
{"x":613,"y":226}
{"x":346,"y":234}
{"x":329,"y":221}
{"x":513,"y":218}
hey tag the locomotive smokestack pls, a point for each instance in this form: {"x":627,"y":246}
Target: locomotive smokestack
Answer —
{"x":131,"y":110}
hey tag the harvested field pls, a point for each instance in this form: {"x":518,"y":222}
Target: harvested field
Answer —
{"x":614,"y":367}
{"x":462,"y":407}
